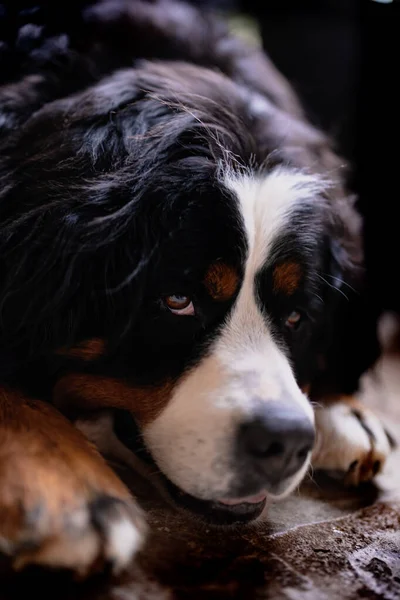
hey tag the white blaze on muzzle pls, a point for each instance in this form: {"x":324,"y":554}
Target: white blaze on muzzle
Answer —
{"x":193,"y":439}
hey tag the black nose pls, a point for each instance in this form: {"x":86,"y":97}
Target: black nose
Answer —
{"x":275,"y":443}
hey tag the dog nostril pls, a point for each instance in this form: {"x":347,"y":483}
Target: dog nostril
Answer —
{"x":303,"y":452}
{"x":258,"y":444}
{"x":275,"y":449}
{"x":270,"y":450}
{"x":275,"y":443}
{"x":262,"y":448}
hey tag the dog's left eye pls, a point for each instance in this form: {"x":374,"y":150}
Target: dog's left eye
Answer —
{"x":179,"y":305}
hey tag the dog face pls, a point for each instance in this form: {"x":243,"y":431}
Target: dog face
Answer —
{"x":241,"y":386}
{"x":200,"y":256}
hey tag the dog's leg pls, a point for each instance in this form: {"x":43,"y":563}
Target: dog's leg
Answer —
{"x":60,"y":504}
{"x":351,"y":440}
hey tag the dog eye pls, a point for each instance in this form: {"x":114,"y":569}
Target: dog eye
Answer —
{"x":293,"y":320}
{"x":179,"y":305}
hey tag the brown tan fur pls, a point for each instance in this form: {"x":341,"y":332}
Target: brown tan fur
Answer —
{"x":287,"y":277}
{"x":221,"y":281}
{"x":48,"y":471}
{"x":93,"y":392}
{"x":88,"y":350}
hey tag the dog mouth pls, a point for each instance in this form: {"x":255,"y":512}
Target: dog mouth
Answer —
{"x":222,"y":511}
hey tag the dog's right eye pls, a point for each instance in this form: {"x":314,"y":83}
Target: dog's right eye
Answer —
{"x":293,"y":321}
{"x":179,"y":305}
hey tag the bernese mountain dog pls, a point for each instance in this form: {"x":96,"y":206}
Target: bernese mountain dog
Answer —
{"x":177,"y":251}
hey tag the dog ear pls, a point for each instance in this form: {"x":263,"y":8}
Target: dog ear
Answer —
{"x":73,"y":255}
{"x":348,"y":341}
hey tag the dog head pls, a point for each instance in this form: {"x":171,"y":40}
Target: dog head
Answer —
{"x":178,"y":242}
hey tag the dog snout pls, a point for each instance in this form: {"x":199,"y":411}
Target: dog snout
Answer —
{"x":274,"y":444}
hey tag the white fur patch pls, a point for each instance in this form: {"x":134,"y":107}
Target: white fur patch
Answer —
{"x":266,"y":203}
{"x":192,"y":440}
{"x":342,"y":440}
{"x":122,"y":542}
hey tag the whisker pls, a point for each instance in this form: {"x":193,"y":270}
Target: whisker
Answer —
{"x":339,"y":280}
{"x":332,"y":286}
{"x":319,"y":297}
{"x":315,"y":404}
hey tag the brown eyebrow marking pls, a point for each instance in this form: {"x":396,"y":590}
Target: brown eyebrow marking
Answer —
{"x":287,"y":277}
{"x":87,"y":350}
{"x":221,"y":281}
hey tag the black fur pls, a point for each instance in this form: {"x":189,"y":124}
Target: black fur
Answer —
{"x":110,"y":193}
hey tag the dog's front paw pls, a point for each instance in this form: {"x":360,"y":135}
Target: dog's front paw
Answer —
{"x":351,"y":441}
{"x":83,"y":538}
{"x":61,"y":506}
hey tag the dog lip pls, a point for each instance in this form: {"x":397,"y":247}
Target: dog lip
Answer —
{"x":213,"y":512}
{"x":255,"y":499}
